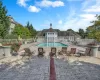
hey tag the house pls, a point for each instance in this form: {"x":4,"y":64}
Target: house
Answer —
{"x":55,"y":35}
{"x":12,"y":24}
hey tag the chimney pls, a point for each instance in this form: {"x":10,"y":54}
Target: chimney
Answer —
{"x":50,"y":25}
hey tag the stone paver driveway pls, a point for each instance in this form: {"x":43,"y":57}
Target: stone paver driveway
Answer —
{"x":39,"y":69}
{"x":36,"y":69}
{"x":76,"y":70}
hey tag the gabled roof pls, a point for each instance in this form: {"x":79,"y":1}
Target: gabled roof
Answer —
{"x":60,"y":33}
{"x":50,"y":30}
{"x":12,"y":20}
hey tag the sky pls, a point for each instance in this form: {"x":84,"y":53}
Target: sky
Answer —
{"x":63,"y":14}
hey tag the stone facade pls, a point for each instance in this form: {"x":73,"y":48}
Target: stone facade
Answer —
{"x":12,"y":24}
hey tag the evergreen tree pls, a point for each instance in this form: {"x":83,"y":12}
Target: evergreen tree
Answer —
{"x":31,"y":29}
{"x":70,"y":30}
{"x":28,"y":25}
{"x":81,"y":33}
{"x":4,"y":21}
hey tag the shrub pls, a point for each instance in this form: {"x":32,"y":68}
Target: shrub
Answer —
{"x":15,"y":47}
{"x":11,"y":36}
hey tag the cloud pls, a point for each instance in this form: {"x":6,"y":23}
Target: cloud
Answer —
{"x":74,"y":0}
{"x":43,"y":3}
{"x":82,"y":21}
{"x":33,"y":9}
{"x":72,"y":13}
{"x":30,"y":8}
{"x":75,"y":24}
{"x":94,"y":7}
{"x":47,"y":3}
{"x":60,"y":22}
{"x":88,"y":17}
{"x":74,"y":19}
{"x":22,"y":2}
{"x":87,"y":3}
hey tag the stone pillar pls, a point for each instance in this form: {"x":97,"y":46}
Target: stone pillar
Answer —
{"x":1,"y":52}
{"x":6,"y":50}
{"x":95,"y":51}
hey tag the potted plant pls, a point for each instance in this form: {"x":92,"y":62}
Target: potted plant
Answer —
{"x":14,"y":48}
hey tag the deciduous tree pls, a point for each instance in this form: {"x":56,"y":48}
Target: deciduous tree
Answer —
{"x":94,"y":30}
{"x":21,"y":31}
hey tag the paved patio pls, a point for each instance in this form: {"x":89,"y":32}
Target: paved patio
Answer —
{"x":39,"y":69}
{"x":76,"y":70}
{"x":35,"y":69}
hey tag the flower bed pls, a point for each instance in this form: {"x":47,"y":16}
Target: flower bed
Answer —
{"x":9,"y":44}
{"x":92,"y":44}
